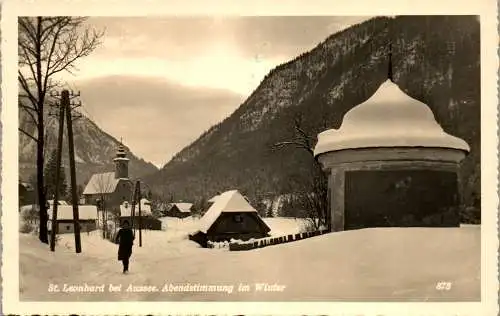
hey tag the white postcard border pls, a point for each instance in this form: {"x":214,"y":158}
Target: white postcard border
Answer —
{"x":487,"y":10}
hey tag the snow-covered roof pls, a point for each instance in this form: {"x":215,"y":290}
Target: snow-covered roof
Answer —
{"x":101,"y":183}
{"x":59,"y":202}
{"x":126,"y":208}
{"x":183,"y":207}
{"x":121,"y":159}
{"x":229,"y":201}
{"x":213,"y":199}
{"x":389,"y":118}
{"x":27,"y":186}
{"x":65,"y":212}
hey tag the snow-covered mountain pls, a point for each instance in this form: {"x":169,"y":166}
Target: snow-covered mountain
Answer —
{"x":436,"y":59}
{"x":94,"y":150}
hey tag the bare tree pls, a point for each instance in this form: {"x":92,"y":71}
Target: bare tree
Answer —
{"x":312,"y":194}
{"x":312,"y":197}
{"x":103,"y":185}
{"x":47,"y":46}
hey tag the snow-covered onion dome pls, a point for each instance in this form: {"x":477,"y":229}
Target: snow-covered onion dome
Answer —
{"x":390,"y":118}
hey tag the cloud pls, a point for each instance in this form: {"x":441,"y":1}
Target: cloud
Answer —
{"x":155,"y":117}
{"x":180,"y":38}
{"x":217,"y":68}
{"x":232,"y":53}
{"x":159,"y":82}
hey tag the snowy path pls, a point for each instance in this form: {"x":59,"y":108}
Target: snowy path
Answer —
{"x":372,"y":264}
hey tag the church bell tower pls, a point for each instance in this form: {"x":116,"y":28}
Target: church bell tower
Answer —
{"x":121,"y":163}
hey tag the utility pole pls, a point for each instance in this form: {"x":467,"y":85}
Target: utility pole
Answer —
{"x":104,"y":219}
{"x":65,"y":109}
{"x":58,"y":176}
{"x":140,"y":217}
{"x":72,"y":168}
{"x":132,"y":212}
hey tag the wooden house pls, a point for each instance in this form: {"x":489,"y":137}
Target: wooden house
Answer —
{"x":230,"y":217}
{"x":180,"y":210}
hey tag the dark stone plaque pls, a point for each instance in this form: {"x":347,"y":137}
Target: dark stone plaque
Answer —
{"x":401,"y":198}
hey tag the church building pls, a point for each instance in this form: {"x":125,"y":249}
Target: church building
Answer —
{"x":110,"y":188}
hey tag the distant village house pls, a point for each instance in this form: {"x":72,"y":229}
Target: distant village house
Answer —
{"x":145,"y":220}
{"x":87,"y":218}
{"x":180,"y":210}
{"x":26,"y":194}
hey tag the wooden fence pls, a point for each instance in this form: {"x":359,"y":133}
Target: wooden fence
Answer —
{"x":264,"y":242}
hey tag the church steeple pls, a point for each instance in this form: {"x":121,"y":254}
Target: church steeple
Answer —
{"x":121,"y":163}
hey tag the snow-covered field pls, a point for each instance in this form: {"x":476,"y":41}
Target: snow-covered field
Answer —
{"x":388,"y":264}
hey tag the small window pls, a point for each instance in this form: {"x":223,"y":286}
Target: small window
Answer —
{"x":237,"y":218}
{"x":67,"y":227}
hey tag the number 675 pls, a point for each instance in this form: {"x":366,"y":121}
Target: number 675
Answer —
{"x":443,"y":286}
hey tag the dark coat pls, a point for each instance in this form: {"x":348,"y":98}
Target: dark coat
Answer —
{"x":126,"y":238}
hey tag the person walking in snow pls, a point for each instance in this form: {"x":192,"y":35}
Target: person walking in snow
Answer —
{"x":125,"y":238}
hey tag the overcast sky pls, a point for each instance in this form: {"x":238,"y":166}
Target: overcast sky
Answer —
{"x":158,"y":83}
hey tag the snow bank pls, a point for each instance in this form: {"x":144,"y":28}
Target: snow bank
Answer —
{"x":281,"y":226}
{"x":384,"y":264}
